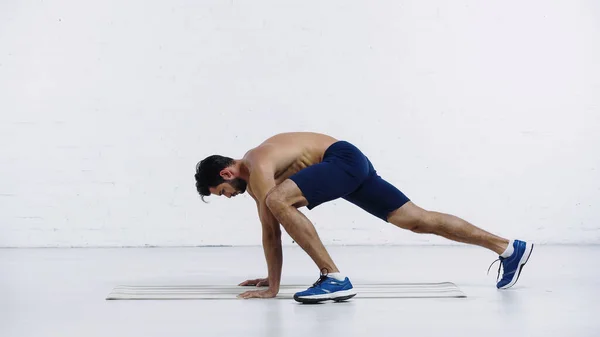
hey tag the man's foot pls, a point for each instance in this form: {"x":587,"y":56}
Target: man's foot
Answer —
{"x":513,"y":264}
{"x":326,"y":289}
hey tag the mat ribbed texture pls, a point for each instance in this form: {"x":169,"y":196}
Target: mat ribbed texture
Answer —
{"x":220,"y":292}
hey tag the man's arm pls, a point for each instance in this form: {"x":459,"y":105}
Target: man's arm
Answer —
{"x":261,"y":182}
{"x":271,"y":240}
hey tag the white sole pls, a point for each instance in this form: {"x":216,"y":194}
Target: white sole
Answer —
{"x":330,"y":296}
{"x":524,"y":259}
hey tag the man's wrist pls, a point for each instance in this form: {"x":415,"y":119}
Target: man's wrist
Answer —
{"x":273,"y":287}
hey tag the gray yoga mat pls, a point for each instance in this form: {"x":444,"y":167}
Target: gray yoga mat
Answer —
{"x":225,"y":292}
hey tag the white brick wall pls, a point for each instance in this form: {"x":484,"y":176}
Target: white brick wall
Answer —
{"x":486,"y":110}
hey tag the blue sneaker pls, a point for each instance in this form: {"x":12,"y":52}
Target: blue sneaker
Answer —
{"x":513,"y":264}
{"x":325,"y":289}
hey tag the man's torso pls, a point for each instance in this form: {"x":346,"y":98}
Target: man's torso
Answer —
{"x":288,"y":153}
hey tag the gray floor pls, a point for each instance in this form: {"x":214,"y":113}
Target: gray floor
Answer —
{"x":61,"y":292}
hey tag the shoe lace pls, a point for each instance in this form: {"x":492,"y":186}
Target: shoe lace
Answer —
{"x":322,"y":278}
{"x":499,"y":266}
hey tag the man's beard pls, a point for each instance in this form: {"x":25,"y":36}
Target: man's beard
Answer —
{"x":238,"y":184}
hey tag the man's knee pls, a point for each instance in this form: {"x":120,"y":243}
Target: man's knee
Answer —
{"x":417,"y":224}
{"x":275,"y":200}
{"x":427,"y":223}
{"x":285,"y":195}
{"x":414,"y":218}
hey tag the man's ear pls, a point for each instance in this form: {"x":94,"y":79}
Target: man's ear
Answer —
{"x":226,"y":174}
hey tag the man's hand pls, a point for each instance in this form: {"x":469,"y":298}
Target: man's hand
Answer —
{"x":259,"y":282}
{"x":269,"y":293}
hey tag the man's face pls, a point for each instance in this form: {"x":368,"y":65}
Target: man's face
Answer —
{"x":230,"y":188}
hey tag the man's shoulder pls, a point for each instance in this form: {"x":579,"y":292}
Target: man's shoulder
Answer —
{"x":259,"y":157}
{"x":260,"y":180}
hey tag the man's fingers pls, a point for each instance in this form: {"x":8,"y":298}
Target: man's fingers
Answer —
{"x":246,"y":294}
{"x":259,"y":282}
{"x":248,"y":283}
{"x":256,"y":294}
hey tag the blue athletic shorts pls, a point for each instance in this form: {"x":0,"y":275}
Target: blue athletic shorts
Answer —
{"x":347,"y":173}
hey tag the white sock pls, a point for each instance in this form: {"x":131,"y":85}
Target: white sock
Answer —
{"x":509,"y":250}
{"x":337,"y":276}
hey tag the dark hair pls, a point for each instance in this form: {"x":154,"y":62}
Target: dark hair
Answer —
{"x":208,"y":173}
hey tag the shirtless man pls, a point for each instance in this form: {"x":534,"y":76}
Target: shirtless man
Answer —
{"x":292,"y":170}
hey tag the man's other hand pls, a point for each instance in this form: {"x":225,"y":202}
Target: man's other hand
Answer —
{"x":268,"y":293}
{"x":259,"y":282}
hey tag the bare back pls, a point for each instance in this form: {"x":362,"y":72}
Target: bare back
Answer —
{"x":288,"y":153}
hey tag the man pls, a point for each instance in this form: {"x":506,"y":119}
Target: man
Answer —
{"x":292,"y":170}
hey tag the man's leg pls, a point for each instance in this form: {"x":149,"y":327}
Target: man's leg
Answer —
{"x":418,"y":220}
{"x":283,"y":202}
{"x":341,"y":172}
{"x":385,"y":201}
{"x":343,"y":169}
{"x":513,"y":254}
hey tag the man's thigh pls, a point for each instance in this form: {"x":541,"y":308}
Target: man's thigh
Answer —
{"x":378,"y":197}
{"x":324,"y":182}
